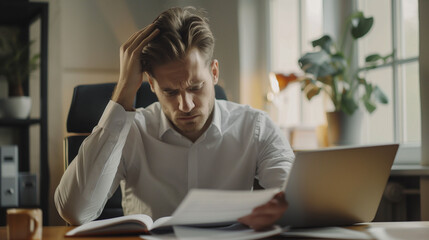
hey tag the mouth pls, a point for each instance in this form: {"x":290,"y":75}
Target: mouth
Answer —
{"x":187,"y":118}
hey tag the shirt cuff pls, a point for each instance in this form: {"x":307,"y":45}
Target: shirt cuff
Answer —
{"x":115,"y":117}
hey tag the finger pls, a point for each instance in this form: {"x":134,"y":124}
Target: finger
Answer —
{"x":280,"y":196}
{"x":273,"y":206}
{"x":142,"y":35}
{"x":147,"y":40}
{"x":132,"y":38}
{"x":262,"y":216}
{"x":265,"y":215}
{"x":258,"y":223}
{"x":256,"y":215}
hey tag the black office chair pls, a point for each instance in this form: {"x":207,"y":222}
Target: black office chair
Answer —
{"x":87,"y":106}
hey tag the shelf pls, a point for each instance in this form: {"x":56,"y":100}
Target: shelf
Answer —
{"x":18,"y":122}
{"x":410,"y":170}
{"x":19,"y":12}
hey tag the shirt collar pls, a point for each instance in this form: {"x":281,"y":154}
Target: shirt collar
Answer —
{"x":165,"y":124}
{"x":217,"y":117}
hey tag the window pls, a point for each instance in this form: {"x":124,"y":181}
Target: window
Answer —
{"x":395,"y":30}
{"x":294,"y":24}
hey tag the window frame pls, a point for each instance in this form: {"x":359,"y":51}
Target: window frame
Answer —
{"x":408,"y":153}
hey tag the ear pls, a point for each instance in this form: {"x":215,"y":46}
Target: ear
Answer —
{"x":151,"y":82}
{"x":214,"y":67}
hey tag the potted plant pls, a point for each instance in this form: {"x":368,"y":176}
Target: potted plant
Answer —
{"x":330,"y":70}
{"x":15,"y":66}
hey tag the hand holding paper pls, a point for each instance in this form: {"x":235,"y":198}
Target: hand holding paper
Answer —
{"x":267,"y":214}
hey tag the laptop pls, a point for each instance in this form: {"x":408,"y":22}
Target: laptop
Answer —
{"x":337,"y":186}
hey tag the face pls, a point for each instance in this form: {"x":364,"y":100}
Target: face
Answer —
{"x":185,"y":90}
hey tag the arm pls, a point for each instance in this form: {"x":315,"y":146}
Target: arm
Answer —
{"x":94,"y":174}
{"x":130,"y":76}
{"x":274,"y":164}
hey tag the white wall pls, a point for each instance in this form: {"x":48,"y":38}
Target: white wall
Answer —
{"x":254,"y":52}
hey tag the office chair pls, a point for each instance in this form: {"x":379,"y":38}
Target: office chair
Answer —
{"x":87,"y":106}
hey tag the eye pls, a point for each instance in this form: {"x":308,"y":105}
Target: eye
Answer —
{"x":197,"y":87}
{"x":171,"y":93}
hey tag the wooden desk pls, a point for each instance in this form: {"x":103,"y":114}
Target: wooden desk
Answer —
{"x":392,"y":230}
{"x":58,"y":232}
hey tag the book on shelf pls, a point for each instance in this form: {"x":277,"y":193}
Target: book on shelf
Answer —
{"x":200,"y":208}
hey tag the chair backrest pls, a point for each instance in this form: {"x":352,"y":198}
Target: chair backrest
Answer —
{"x":87,"y":106}
{"x":89,"y":101}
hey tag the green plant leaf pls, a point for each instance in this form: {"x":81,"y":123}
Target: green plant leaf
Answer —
{"x":361,"y":80}
{"x":339,"y":62}
{"x":373,"y":58}
{"x":324,"y":42}
{"x":361,"y":26}
{"x":348,"y":104}
{"x":380,"y":96}
{"x":34,"y":63}
{"x":317,"y":63}
{"x":15,"y":61}
{"x":369,"y":105}
{"x":330,"y":71}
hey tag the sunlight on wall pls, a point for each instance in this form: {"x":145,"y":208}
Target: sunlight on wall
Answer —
{"x":294,"y":24}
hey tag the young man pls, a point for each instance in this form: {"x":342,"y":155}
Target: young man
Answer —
{"x":186,"y":140}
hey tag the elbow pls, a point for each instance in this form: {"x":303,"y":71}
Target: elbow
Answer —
{"x":69,"y":210}
{"x":65,"y":210}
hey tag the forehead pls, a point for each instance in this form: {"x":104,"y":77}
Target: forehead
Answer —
{"x":188,"y":71}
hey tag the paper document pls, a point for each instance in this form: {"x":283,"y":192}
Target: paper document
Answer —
{"x":399,"y":233}
{"x":327,"y":232}
{"x":234,"y":232}
{"x":200,"y":207}
{"x":212,"y":206}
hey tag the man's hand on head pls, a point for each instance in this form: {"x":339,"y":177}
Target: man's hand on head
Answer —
{"x":130,"y":75}
{"x":266,"y":215}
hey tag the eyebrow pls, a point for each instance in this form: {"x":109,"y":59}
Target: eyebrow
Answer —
{"x":167,"y":89}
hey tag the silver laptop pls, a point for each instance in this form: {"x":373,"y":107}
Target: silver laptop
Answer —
{"x":337,"y":186}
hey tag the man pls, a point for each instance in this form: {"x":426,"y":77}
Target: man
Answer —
{"x":186,"y":140}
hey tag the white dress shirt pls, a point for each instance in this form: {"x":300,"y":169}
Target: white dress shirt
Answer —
{"x":156,"y":166}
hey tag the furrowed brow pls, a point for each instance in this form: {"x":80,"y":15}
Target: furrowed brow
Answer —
{"x":168,"y":89}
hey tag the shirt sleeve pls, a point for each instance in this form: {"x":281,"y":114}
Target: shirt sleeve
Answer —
{"x":93,"y":176}
{"x":275,"y":156}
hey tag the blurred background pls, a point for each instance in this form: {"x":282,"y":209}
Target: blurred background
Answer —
{"x":253,"y":39}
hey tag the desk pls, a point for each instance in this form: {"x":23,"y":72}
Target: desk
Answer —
{"x":395,"y":230}
{"x":58,"y":232}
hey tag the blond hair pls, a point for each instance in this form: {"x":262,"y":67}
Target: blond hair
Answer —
{"x":181,"y":29}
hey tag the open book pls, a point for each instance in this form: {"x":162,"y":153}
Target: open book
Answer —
{"x":199,"y":208}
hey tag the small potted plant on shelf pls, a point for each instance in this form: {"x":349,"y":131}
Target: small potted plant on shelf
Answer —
{"x":15,"y":66}
{"x":330,"y":70}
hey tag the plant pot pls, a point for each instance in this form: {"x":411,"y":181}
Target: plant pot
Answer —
{"x":15,"y":107}
{"x":344,"y":129}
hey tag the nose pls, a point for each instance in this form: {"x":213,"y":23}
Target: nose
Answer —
{"x":186,"y":102}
